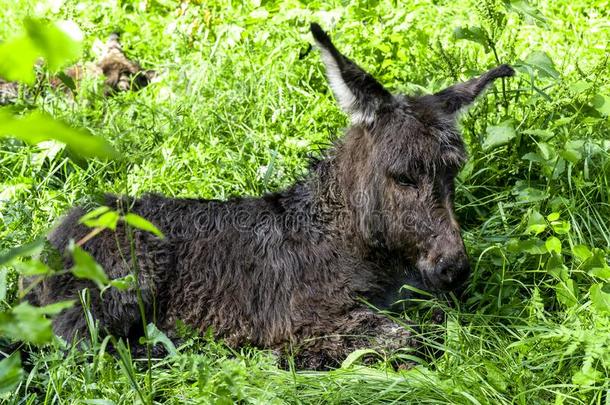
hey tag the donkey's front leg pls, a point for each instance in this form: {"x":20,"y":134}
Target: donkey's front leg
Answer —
{"x":361,"y":328}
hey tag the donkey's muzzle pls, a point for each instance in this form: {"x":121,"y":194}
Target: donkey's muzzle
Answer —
{"x":448,"y":275}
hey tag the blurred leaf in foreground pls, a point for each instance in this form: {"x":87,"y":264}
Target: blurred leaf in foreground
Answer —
{"x":10,"y":372}
{"x":58,"y":43}
{"x":85,"y":266}
{"x":37,"y":127}
{"x":30,"y":324}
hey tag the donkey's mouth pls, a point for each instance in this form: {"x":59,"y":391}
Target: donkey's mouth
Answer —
{"x":444,"y":284}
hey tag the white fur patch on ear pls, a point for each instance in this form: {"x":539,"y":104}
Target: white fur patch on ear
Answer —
{"x":345,"y":97}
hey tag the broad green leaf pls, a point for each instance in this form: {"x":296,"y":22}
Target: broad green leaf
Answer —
{"x":21,"y":251}
{"x":587,"y":376}
{"x":528,"y":194}
{"x":474,"y":34}
{"x":138,"y":222}
{"x":33,"y":267}
{"x":565,"y":292}
{"x":600,"y":272}
{"x":156,"y":336}
{"x":529,"y":246}
{"x":58,"y":43}
{"x":30,"y":324}
{"x":561,"y":227}
{"x":581,"y":252}
{"x":107,"y":220}
{"x":524,"y":8}
{"x":17,"y":59}
{"x":94,"y":214}
{"x":602,"y":104}
{"x":356,"y":355}
{"x":543,"y":63}
{"x":10,"y":372}
{"x":122,"y":284}
{"x":86,"y":267}
{"x":542,"y":134}
{"x":499,"y":135}
{"x":546,"y":151}
{"x":37,"y":127}
{"x":553,"y":244}
{"x":553,"y":216}
{"x":600,"y":297}
{"x":571,"y":155}
{"x":533,"y":157}
{"x":580,"y":86}
{"x":536,"y":223}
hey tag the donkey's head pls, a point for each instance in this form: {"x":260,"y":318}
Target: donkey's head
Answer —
{"x":397,"y":165}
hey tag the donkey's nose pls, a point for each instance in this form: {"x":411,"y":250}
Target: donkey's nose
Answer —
{"x":452,"y":273}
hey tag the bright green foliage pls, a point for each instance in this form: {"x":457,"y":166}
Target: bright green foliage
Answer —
{"x":239,"y":105}
{"x":55,"y":45}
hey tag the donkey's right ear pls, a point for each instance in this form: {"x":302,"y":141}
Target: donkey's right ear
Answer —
{"x":357,"y":92}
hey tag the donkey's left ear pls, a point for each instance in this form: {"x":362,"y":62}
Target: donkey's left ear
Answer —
{"x":357,"y":92}
{"x":462,"y":94}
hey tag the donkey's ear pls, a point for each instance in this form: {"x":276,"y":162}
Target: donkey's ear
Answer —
{"x":462,"y":94}
{"x":357,"y":92}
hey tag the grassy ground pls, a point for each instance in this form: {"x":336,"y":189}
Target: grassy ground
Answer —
{"x":241,"y":103}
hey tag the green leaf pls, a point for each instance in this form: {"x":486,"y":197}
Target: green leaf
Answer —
{"x":58,"y":43}
{"x":94,"y":214}
{"x":356,"y":355}
{"x":600,"y":297}
{"x":600,"y":272}
{"x":86,"y":267}
{"x":138,"y":222}
{"x":536,"y":223}
{"x":602,"y":104}
{"x":30,"y":324}
{"x":546,"y":151}
{"x":581,"y":252}
{"x":543,"y":63}
{"x":543,"y":134}
{"x":17,"y":59}
{"x":561,"y":227}
{"x":533,"y":157}
{"x":499,"y":135}
{"x":37,"y":127}
{"x":524,"y":8}
{"x":473,"y":34}
{"x":11,"y":372}
{"x":571,"y":155}
{"x":553,"y":244}
{"x":33,"y":267}
{"x":553,"y":216}
{"x":21,"y":251}
{"x":107,"y":220}
{"x":156,"y":336}
{"x":530,"y":246}
{"x":565,"y":292}
{"x":122,"y":284}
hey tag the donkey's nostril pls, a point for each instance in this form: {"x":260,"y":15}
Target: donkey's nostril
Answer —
{"x":451,"y":274}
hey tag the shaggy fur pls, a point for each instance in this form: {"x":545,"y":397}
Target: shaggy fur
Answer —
{"x":290,"y":270}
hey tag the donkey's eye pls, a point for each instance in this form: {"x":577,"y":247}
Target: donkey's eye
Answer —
{"x":404,"y":180}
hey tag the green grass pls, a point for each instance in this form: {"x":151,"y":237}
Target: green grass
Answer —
{"x":239,"y":106}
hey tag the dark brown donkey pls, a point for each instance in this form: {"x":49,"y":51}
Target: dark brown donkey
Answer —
{"x":292,"y":268}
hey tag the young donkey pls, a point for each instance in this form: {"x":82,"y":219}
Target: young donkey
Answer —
{"x":292,"y":268}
